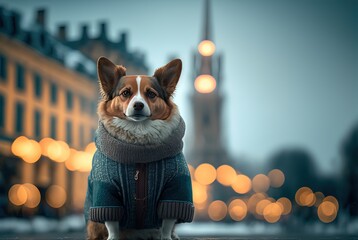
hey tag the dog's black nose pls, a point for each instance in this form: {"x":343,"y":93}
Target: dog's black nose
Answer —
{"x":138,"y":106}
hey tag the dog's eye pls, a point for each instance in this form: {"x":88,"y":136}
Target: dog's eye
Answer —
{"x":126,"y":93}
{"x":151,"y":94}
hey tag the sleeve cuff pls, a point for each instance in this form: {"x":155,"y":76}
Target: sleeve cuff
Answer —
{"x":182,"y":211}
{"x":102,"y":214}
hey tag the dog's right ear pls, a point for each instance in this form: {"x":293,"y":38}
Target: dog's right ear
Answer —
{"x":109,"y":75}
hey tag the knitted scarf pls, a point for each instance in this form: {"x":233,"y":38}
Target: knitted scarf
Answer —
{"x":132,"y":153}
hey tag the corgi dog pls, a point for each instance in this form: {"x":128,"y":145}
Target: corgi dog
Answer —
{"x":137,"y":117}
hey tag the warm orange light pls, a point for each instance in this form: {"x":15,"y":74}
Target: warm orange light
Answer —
{"x":91,"y":148}
{"x":58,"y":151}
{"x":205,"y":174}
{"x":260,"y":206}
{"x":253,"y":200}
{"x":217,"y":210}
{"x":70,"y":163}
{"x":45,"y":143}
{"x":237,"y":209}
{"x":199,"y":193}
{"x":332,"y":200}
{"x":56,"y":196}
{"x":241,"y":184}
{"x":260,"y":183}
{"x":225,"y":175}
{"x":272,"y":212}
{"x":285,"y":204}
{"x":19,"y":145}
{"x":33,"y":154}
{"x":84,"y":161}
{"x":205,"y":83}
{"x":17,"y":195}
{"x":206,"y":48}
{"x":305,"y":197}
{"x":327,"y":212}
{"x":277,"y":178}
{"x":33,"y":195}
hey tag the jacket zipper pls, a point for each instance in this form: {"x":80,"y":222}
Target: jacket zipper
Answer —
{"x":141,"y":193}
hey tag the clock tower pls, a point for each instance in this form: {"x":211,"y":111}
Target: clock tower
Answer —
{"x":207,"y":100}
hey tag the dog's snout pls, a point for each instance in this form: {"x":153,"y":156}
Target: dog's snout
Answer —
{"x":138,"y":106}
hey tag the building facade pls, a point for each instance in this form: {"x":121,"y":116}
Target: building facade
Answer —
{"x":48,"y":89}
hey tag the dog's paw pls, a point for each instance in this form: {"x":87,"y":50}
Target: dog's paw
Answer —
{"x":175,"y":236}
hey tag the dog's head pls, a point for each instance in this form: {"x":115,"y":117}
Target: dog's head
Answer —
{"x":138,"y":97}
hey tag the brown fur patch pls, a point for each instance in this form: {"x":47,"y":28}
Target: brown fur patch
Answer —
{"x":96,"y":231}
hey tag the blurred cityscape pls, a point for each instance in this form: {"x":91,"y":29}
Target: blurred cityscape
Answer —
{"x":48,"y":99}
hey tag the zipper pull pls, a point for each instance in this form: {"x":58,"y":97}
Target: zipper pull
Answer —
{"x":136,"y":175}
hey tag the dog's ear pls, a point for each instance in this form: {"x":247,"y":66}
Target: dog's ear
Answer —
{"x":109,"y":75}
{"x":168,"y":76}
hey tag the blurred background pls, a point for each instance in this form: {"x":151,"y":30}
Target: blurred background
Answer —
{"x":269,"y":93}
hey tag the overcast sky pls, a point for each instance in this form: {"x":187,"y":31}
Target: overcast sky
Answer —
{"x":290,"y":67}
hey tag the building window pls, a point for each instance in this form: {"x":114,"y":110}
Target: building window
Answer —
{"x":2,"y":111}
{"x":19,"y":117}
{"x":53,"y":91}
{"x":93,"y":108}
{"x":53,"y":127}
{"x":37,"y":124}
{"x":20,"y":77}
{"x":82,"y":136}
{"x":83,"y":103}
{"x":69,"y":100}
{"x":69,"y":132}
{"x":3,"y":65}
{"x":38,"y":85}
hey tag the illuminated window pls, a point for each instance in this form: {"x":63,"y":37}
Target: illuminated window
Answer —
{"x":19,"y":117}
{"x":37,"y":124}
{"x":82,"y":136}
{"x":20,"y":77}
{"x":69,"y":132}
{"x":53,"y":124}
{"x":69,"y":100}
{"x":53,"y":90}
{"x":38,"y":85}
{"x":3,"y":73}
{"x":2,"y":111}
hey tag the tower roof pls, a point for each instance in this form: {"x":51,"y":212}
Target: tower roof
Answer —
{"x":207,"y":21}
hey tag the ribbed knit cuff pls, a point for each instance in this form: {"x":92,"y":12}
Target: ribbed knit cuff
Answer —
{"x":102,"y":214}
{"x":182,"y":211}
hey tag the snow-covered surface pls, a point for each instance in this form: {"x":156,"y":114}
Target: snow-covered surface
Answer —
{"x":75,"y":223}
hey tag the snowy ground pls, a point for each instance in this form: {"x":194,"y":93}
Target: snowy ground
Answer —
{"x":72,"y":227}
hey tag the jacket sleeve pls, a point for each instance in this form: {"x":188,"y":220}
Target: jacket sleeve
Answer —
{"x":176,"y":200}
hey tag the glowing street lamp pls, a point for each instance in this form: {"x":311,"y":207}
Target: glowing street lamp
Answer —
{"x":206,"y":48}
{"x":205,"y":83}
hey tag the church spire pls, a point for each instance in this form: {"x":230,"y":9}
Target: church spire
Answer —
{"x":207,"y":21}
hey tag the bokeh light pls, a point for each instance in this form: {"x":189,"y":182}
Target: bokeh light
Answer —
{"x":260,"y":183}
{"x":206,"y":48}
{"x":217,"y":210}
{"x":225,"y":175}
{"x":253,"y":200}
{"x":277,"y":178}
{"x":17,"y":195}
{"x":199,"y":193}
{"x":241,"y":184}
{"x":205,"y":174}
{"x":33,"y":195}
{"x":332,"y":200}
{"x":191,"y":170}
{"x":305,"y":197}
{"x":44,"y":144}
{"x":19,"y":146}
{"x":205,"y":83}
{"x":34,"y":154}
{"x":56,"y":196}
{"x":91,"y":148}
{"x":327,"y":212}
{"x":285,"y":204}
{"x":272,"y":212}
{"x":237,"y":209}
{"x":58,"y":151}
{"x":260,"y":206}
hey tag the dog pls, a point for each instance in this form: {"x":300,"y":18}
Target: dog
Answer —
{"x":139,"y":186}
